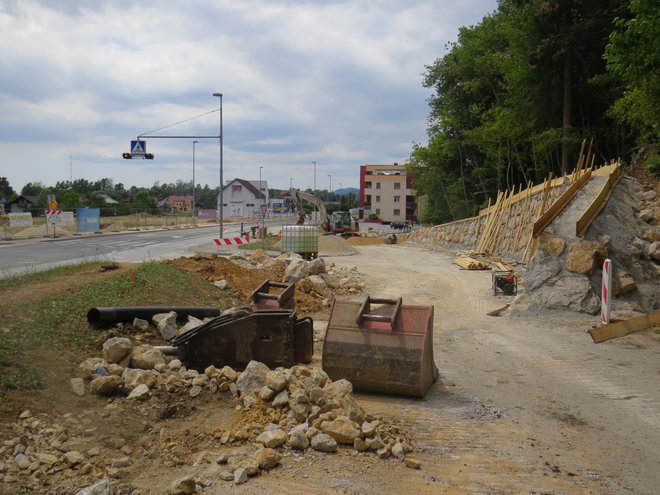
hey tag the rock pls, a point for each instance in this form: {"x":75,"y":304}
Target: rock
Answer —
{"x":121,"y":463}
{"x":623,"y":282}
{"x":220,"y":284}
{"x":267,"y":458}
{"x":146,"y":358}
{"x":77,"y":386}
{"x":229,"y":373}
{"x":281,"y":399}
{"x":571,"y":292}
{"x":412,"y":463}
{"x":73,"y":457}
{"x":259,"y":256}
{"x":22,"y":461}
{"x":166,"y":324}
{"x":190,"y":325}
{"x":586,"y":256}
{"x":183,"y":486}
{"x":102,"y":487}
{"x":397,"y":451}
{"x":223,"y":458}
{"x":339,"y":388}
{"x":105,"y":385}
{"x":324,"y":443}
{"x":390,"y":239}
{"x":317,"y":283}
{"x":116,"y":348}
{"x":240,"y":476}
{"x":331,"y":280}
{"x":276,"y":380}
{"x":342,"y":429}
{"x":45,"y":458}
{"x":249,"y":464}
{"x":264,"y":393}
{"x":654,"y":250}
{"x":296,"y":270}
{"x":226,"y":475}
{"x":375,"y":443}
{"x":637,"y":247}
{"x":551,"y":244}
{"x":299,"y":406}
{"x":142,"y":325}
{"x":316,"y":266}
{"x":360,"y":445}
{"x":383,"y":453}
{"x":319,"y":377}
{"x":272,"y":438}
{"x":140,"y":392}
{"x":298,"y":440}
{"x":646,"y":215}
{"x":87,"y":367}
{"x":134,"y":377}
{"x":252,"y":378}
{"x":195,"y":390}
{"x":369,"y":429}
{"x":174,"y":365}
{"x":351,"y":409}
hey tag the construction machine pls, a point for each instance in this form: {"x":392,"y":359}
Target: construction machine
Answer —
{"x":339,"y":222}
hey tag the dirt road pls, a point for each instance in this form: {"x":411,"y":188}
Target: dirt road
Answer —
{"x":525,"y":404}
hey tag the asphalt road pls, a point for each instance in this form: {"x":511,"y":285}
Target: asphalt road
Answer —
{"x":23,"y":256}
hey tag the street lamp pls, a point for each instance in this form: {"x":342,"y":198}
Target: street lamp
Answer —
{"x":290,"y":182}
{"x":314,"y":176}
{"x":193,"y":185}
{"x":220,"y":196}
{"x":330,"y":190}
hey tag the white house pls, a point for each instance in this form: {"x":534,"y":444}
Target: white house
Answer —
{"x":243,"y":198}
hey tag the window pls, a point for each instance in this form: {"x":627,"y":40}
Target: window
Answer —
{"x":377,"y":211}
{"x":367,"y":185}
{"x":367,"y":198}
{"x":397,"y":213}
{"x":249,"y":204}
{"x":377,"y":185}
{"x":237,"y":188}
{"x":397,"y":185}
{"x":397,"y":199}
{"x":377,"y":199}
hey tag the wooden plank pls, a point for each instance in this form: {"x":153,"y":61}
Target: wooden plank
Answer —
{"x":557,"y":207}
{"x":599,"y":202}
{"x":621,"y":328}
{"x":471,"y":264}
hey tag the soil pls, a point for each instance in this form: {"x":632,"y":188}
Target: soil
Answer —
{"x":525,"y":404}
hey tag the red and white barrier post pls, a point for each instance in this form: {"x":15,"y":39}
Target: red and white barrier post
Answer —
{"x":606,"y":292}
{"x":229,"y":241}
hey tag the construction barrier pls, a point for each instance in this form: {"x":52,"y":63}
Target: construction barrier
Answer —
{"x":228,"y":241}
{"x":606,"y":291}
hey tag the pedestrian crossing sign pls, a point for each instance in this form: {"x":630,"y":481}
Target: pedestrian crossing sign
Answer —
{"x":138,"y":148}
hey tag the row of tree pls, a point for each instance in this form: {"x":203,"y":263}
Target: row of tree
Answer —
{"x":81,"y":192}
{"x":517,"y":93}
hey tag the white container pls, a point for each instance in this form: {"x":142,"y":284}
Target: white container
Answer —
{"x":301,"y":239}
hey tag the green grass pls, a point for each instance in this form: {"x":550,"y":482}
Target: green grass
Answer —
{"x":270,"y":243}
{"x":56,"y":324}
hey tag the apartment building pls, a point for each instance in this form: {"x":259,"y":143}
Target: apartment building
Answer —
{"x":386,"y":191}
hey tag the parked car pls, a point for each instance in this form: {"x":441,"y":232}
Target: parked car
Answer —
{"x":397,"y":225}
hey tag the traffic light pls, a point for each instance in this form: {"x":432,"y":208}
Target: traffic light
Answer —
{"x":126,"y":156}
{"x":148,"y":156}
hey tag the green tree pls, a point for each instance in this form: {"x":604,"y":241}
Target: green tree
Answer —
{"x":32,"y":188}
{"x":6,"y":191}
{"x":70,"y":200}
{"x":633,"y":54}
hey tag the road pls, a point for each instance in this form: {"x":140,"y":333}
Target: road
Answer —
{"x":525,"y":403}
{"x":33,"y":255}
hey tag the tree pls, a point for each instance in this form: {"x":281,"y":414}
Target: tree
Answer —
{"x":70,"y":200}
{"x":32,"y":188}
{"x":6,"y":191}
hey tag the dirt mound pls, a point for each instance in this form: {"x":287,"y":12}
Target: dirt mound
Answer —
{"x":114,"y":227}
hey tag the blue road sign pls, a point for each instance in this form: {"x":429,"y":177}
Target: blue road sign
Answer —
{"x":138,"y":148}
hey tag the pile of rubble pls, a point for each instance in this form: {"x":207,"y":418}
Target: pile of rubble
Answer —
{"x":317,"y":283}
{"x":280,"y":411}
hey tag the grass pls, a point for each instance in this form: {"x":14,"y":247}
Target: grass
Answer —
{"x":270,"y":243}
{"x":43,"y":318}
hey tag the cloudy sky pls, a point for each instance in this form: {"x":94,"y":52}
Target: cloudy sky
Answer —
{"x":331,"y":81}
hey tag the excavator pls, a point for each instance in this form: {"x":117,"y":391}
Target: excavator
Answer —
{"x":339,"y":222}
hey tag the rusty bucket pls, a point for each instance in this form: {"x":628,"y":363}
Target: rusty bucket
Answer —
{"x":381,"y":345}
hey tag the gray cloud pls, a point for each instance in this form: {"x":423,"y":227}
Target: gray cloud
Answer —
{"x":336,"y":82}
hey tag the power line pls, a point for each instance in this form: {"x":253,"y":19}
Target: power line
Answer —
{"x":181,"y":122}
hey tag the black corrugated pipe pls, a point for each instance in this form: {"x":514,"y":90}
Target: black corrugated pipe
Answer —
{"x":111,"y":316}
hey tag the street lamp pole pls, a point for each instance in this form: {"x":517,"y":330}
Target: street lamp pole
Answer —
{"x":220,"y":196}
{"x":314,"y":177}
{"x":330,"y":183}
{"x":193,"y":185}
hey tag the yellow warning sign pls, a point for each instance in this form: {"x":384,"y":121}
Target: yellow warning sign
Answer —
{"x":53,"y":205}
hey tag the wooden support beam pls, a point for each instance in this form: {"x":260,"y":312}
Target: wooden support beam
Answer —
{"x":557,"y":207}
{"x":599,"y":202}
{"x":621,"y":328}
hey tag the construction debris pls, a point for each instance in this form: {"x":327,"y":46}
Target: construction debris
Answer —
{"x":621,"y":328}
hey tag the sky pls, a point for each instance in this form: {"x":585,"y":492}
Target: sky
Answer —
{"x":334,"y":82}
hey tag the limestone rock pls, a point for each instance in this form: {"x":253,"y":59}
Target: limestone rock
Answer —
{"x":272,"y":438}
{"x":252,"y":378}
{"x":298,"y":440}
{"x":637,"y":247}
{"x":229,"y":373}
{"x":586,"y":256}
{"x":281,"y":399}
{"x":623,"y":283}
{"x":654,"y":251}
{"x":276,"y":380}
{"x":220,"y":284}
{"x":78,"y":386}
{"x":316,"y":266}
{"x":342,"y":429}
{"x":360,"y":445}
{"x":183,"y":486}
{"x":267,"y":458}
{"x":140,"y":392}
{"x":146,"y":358}
{"x":646,"y":215}
{"x":324,"y":443}
{"x":166,"y":324}
{"x":133,"y":377}
{"x":102,"y":487}
{"x":296,"y":270}
{"x":142,"y":325}
{"x":105,"y":385}
{"x":551,"y":244}
{"x":190,"y":325}
{"x":331,"y":280}
{"x":116,"y":348}
{"x":240,"y":476}
{"x":571,"y":292}
{"x":249,"y":464}
{"x":73,"y":457}
{"x":318,"y":284}
{"x":87,"y":367}
{"x":264,"y":393}
{"x":412,"y":463}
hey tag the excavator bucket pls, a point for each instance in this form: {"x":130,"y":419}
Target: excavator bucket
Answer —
{"x":381,"y":345}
